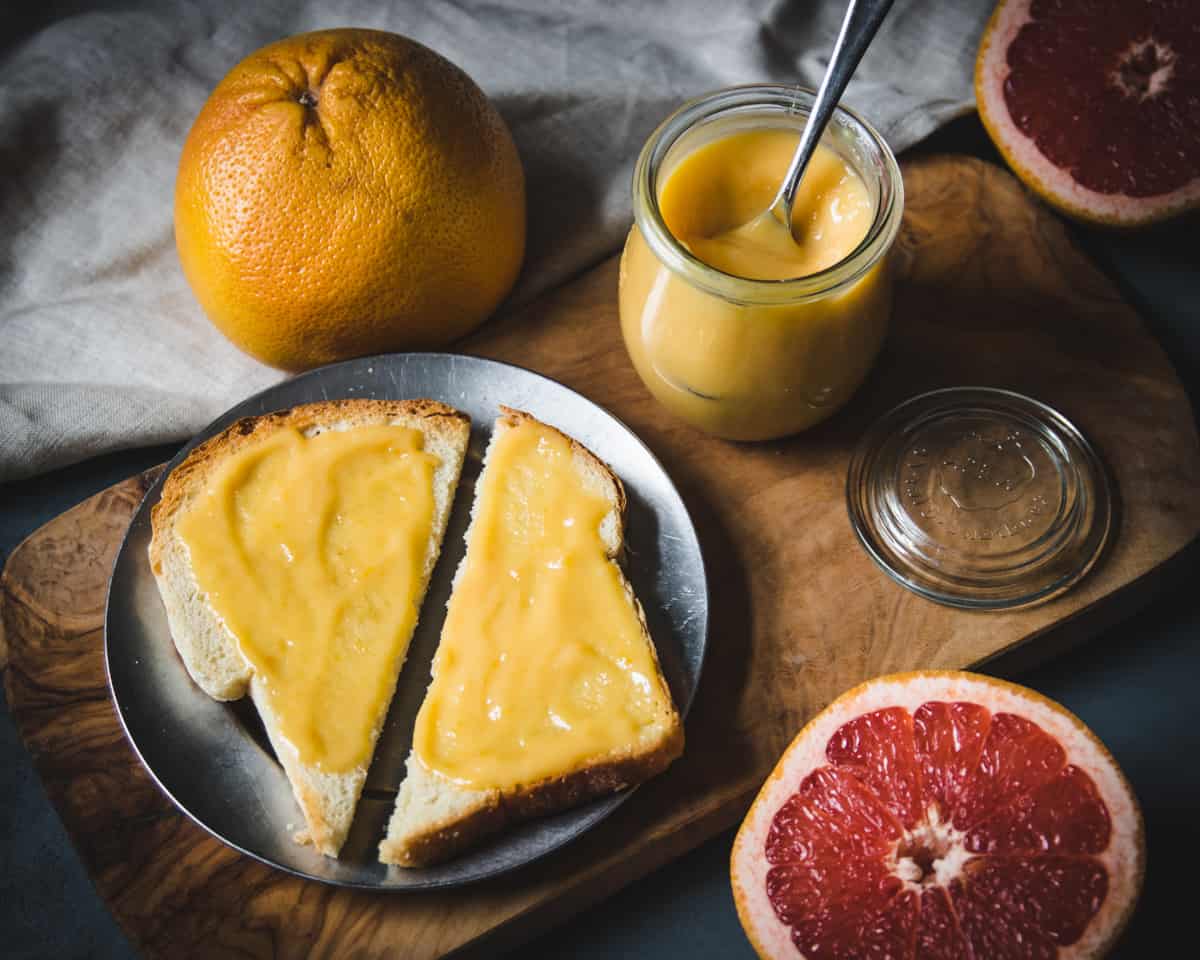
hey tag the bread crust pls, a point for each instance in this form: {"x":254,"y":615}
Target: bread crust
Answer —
{"x":496,"y":810}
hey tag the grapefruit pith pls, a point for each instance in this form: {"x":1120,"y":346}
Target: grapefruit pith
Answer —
{"x":940,"y":816}
{"x":1095,"y":104}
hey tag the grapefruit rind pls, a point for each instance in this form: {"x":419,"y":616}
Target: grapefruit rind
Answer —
{"x":1051,"y":183}
{"x":345,"y":193}
{"x":1124,"y":858}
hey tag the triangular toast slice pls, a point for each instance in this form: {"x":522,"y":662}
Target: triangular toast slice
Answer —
{"x":327,"y":792}
{"x":438,"y":813}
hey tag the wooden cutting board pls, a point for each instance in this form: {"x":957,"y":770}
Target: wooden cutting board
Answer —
{"x":995,"y":294}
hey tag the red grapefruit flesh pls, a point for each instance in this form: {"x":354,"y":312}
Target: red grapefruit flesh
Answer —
{"x":940,"y":816}
{"x":1096,"y":103}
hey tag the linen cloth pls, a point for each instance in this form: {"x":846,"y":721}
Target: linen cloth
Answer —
{"x":102,"y":345}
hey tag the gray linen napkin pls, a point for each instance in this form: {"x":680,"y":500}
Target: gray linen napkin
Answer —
{"x":102,"y":345}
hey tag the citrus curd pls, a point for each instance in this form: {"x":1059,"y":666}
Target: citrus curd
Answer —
{"x":738,"y":329}
{"x":543,"y":667}
{"x":311,"y":550}
{"x":711,"y":202}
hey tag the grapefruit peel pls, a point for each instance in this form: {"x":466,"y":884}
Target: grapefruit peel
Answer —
{"x":910,"y":859}
{"x":1129,"y":74}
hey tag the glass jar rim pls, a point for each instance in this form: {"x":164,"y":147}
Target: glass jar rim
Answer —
{"x":797,"y":100}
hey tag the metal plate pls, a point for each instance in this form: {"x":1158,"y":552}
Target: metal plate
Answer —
{"x":213,"y":759}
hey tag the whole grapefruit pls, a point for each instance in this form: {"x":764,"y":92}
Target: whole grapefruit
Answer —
{"x":940,"y":816}
{"x":1095,"y":104}
{"x":348,"y":192}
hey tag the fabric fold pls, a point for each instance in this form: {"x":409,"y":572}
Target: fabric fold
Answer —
{"x":102,"y":345}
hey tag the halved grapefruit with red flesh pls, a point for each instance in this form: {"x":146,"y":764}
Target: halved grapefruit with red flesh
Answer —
{"x":1096,"y":103}
{"x":940,"y":816}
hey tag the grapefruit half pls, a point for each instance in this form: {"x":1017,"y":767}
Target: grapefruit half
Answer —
{"x":1095,"y":104}
{"x":940,"y":816}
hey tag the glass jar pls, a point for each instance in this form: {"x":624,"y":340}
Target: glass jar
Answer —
{"x":755,"y":359}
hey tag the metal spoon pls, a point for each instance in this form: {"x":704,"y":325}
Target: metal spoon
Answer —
{"x":862,"y":20}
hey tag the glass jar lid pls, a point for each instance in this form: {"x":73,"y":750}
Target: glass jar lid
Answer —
{"x":979,"y":498}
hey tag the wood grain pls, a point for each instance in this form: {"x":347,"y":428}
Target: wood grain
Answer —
{"x":995,"y":294}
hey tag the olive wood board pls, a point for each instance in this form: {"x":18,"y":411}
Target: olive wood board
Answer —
{"x":993,"y":293}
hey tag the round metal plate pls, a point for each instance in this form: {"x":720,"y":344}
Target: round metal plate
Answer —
{"x":213,"y":759}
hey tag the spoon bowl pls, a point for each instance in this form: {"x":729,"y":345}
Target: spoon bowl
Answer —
{"x":859,"y":26}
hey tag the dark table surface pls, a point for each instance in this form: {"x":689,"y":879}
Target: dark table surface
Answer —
{"x":1135,"y":685}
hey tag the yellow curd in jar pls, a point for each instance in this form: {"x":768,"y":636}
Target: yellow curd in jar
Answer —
{"x":754,"y":364}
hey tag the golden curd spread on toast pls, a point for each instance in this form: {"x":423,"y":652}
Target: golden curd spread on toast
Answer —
{"x":311,"y":550}
{"x":543,"y":666}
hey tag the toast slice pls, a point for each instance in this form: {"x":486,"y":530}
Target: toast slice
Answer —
{"x":209,"y":649}
{"x":435,"y":816}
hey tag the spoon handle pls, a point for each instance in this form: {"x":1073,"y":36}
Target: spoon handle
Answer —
{"x":862,"y":20}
